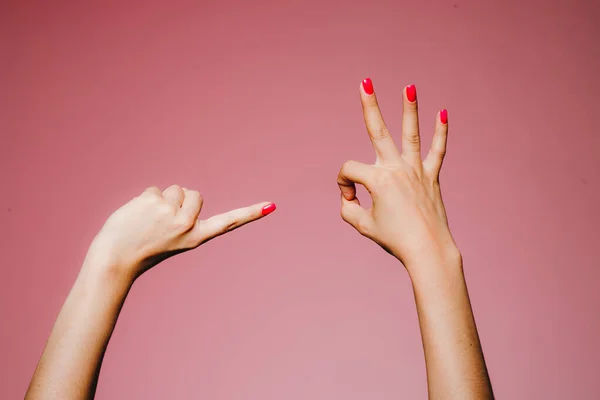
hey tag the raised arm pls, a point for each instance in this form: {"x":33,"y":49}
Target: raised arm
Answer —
{"x":408,"y":220}
{"x":149,"y":229}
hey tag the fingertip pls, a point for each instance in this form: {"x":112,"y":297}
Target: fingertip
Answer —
{"x":410,"y":92}
{"x":367,"y":86}
{"x":443,"y":114}
{"x":268,"y":209}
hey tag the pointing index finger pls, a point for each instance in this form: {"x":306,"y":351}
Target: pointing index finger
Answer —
{"x":222,"y":223}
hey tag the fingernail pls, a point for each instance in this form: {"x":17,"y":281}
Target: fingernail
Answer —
{"x":411,"y":93}
{"x":368,"y":86}
{"x":268,"y":209}
{"x":444,"y":116}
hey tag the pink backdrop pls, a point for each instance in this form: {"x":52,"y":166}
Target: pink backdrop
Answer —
{"x":252,"y":101}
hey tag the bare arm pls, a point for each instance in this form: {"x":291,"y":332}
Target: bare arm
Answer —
{"x":149,"y":229}
{"x":408,"y":219}
{"x":70,"y":364}
{"x":455,"y":365}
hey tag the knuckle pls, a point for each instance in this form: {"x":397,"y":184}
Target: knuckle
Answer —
{"x":150,"y":191}
{"x":439,"y":152}
{"x":230,"y":225}
{"x":188,"y":222}
{"x":412,"y":138}
{"x":194,"y":194}
{"x":164,"y":208}
{"x":347,"y":166}
{"x":381,"y":133}
{"x":345,"y":171}
{"x":194,"y":200}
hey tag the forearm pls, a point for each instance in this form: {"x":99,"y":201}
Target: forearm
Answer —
{"x":453,"y":355}
{"x":70,"y":364}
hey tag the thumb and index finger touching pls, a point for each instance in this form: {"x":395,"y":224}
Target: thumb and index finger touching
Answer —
{"x":353,"y":172}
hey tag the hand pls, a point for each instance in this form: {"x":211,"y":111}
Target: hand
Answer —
{"x":156,"y":225}
{"x":407,"y":218}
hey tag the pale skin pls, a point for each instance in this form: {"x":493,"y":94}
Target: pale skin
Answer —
{"x":407,"y":219}
{"x":149,"y":229}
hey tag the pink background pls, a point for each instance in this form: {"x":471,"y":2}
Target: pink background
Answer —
{"x":253,"y":101}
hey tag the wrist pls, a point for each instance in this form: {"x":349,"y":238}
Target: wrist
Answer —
{"x":435,"y":263}
{"x":102,"y":273}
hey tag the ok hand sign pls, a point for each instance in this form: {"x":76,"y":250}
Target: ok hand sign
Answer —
{"x":407,"y":218}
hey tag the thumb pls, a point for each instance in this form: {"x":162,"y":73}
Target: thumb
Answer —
{"x":355,"y":215}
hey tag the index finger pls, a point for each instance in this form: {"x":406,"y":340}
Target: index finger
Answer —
{"x":220,"y":224}
{"x":382,"y":141}
{"x":353,"y":172}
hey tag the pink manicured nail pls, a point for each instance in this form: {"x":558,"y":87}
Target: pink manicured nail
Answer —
{"x":444,"y":116}
{"x":268,"y":209}
{"x":368,"y":86}
{"x":411,"y":93}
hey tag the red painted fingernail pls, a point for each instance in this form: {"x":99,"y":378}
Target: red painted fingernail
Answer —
{"x":268,"y":209}
{"x":368,"y":86}
{"x":444,"y":116}
{"x":411,"y":93}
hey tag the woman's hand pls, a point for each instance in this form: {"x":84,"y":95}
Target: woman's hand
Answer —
{"x":150,"y":228}
{"x":407,"y":218}
{"x":156,"y":225}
